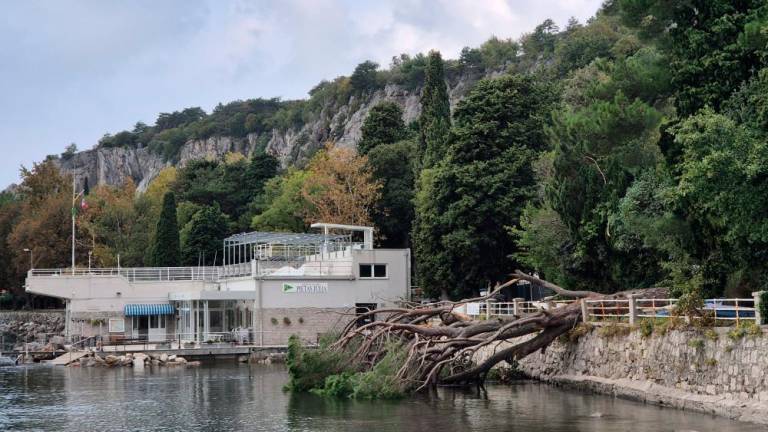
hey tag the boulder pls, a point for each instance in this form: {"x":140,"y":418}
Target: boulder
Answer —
{"x":193,"y":363}
{"x":163,"y":357}
{"x":172,"y":357}
{"x":181,"y":360}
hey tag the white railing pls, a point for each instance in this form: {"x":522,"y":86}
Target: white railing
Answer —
{"x":621,"y":310}
{"x":514,"y":308}
{"x":626,"y":310}
{"x":137,"y":274}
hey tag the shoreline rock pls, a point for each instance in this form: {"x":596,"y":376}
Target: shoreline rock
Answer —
{"x":132,"y":360}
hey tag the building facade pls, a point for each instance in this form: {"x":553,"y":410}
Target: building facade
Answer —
{"x":270,"y":286}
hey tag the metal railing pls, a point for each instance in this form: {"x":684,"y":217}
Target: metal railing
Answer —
{"x":137,"y":274}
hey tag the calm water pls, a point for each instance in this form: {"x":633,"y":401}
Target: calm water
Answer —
{"x":228,"y":396}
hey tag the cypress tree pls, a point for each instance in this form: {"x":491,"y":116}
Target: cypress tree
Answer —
{"x":435,"y":121}
{"x":166,"y":251}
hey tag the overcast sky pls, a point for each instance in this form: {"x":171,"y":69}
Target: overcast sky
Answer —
{"x":72,"y":70}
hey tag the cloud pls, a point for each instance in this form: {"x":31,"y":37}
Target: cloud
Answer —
{"x":74,"y":70}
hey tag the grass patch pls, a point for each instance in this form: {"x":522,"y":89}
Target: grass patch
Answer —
{"x":743,"y":329}
{"x":577,"y":332}
{"x":614,"y":330}
{"x":711,"y":334}
{"x":696,"y":343}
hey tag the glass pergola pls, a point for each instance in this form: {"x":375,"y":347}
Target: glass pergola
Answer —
{"x":264,"y":252}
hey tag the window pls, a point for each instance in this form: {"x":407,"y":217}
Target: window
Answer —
{"x":373,"y":271}
{"x":379,"y":270}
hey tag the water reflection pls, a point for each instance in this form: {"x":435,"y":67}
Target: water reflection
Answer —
{"x":228,"y":396}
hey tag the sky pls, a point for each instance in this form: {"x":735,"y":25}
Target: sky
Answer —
{"x":71,"y":71}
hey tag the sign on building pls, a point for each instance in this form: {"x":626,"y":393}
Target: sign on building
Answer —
{"x":305,"y":288}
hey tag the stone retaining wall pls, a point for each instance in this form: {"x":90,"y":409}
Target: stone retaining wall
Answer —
{"x":30,"y":325}
{"x":706,"y":372}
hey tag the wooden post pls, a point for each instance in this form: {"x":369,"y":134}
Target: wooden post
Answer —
{"x":758,"y":316}
{"x":584,"y":311}
{"x":632,"y":310}
{"x":487,"y":309}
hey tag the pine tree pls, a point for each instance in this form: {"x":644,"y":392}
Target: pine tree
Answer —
{"x":435,"y":121}
{"x":166,"y":251}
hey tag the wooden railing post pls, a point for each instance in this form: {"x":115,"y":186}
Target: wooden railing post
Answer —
{"x":584,"y":311}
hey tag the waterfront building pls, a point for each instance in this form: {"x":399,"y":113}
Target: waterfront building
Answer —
{"x":269,"y":286}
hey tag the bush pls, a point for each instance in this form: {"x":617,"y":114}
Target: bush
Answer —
{"x":324,"y":372}
{"x":646,"y":327}
{"x":309,"y":369}
{"x":763,"y":307}
{"x":696,"y":343}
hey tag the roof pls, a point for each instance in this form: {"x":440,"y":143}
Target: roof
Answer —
{"x":261,"y":237}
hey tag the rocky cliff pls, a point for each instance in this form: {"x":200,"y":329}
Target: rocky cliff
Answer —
{"x":113,"y":165}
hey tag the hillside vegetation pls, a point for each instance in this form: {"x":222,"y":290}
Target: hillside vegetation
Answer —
{"x":626,"y":152}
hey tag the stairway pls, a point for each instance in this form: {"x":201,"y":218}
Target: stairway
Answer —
{"x":68,"y":358}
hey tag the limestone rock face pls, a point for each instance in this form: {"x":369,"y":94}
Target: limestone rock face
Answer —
{"x":294,"y":146}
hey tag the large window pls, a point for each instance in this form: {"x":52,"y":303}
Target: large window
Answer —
{"x":373,"y":271}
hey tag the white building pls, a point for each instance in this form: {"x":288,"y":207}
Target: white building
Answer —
{"x":270,"y":286}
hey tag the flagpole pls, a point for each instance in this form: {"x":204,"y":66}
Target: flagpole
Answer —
{"x":74,"y":198}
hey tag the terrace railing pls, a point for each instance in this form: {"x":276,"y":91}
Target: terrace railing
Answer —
{"x":137,"y":274}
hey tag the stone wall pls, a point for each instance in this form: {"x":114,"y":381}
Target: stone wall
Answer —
{"x":307,"y":323}
{"x":708,"y":372}
{"x":20,"y":326}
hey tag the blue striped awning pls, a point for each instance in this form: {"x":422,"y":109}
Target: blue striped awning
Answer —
{"x":148,"y":309}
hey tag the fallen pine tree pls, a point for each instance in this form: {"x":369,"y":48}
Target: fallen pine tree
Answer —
{"x":415,"y":348}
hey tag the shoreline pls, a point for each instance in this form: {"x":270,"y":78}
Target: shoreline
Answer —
{"x":654,"y":394}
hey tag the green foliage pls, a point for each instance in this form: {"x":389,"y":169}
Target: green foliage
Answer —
{"x":364,"y":78}
{"x":392,"y":165}
{"x":646,"y":327}
{"x":308,"y":368}
{"x":282,"y":207}
{"x":435,"y":120}
{"x":166,"y":250}
{"x":696,"y":343}
{"x":708,"y":51}
{"x":379,"y":382}
{"x":201,"y":237}
{"x":763,"y":308}
{"x":383,"y":125}
{"x":464,"y":204}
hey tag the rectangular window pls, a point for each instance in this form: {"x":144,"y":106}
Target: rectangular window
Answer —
{"x":379,"y":270}
{"x":373,"y":271}
{"x":153,"y":324}
{"x":365,"y":271}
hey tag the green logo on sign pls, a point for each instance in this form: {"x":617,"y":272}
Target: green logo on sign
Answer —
{"x":288,"y":288}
